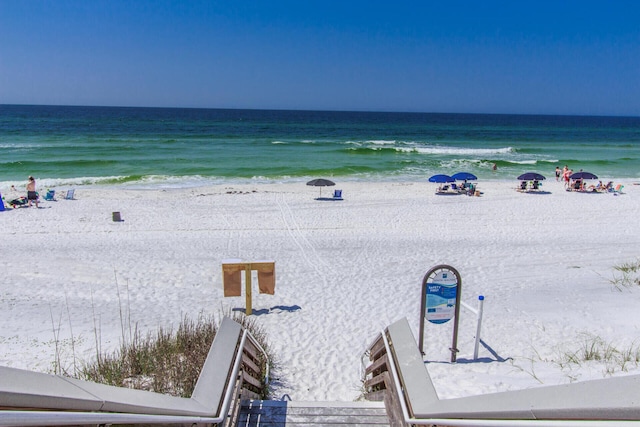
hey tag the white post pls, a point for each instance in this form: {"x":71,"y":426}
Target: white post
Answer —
{"x":480,"y":304}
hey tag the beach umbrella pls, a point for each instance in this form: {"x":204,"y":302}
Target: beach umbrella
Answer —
{"x":531,"y":176}
{"x":583,"y":175}
{"x":441,"y":178}
{"x":321,"y":182}
{"x":464,"y":176}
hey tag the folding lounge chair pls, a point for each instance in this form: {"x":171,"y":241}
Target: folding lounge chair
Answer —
{"x":69,"y":195}
{"x":18,"y":202}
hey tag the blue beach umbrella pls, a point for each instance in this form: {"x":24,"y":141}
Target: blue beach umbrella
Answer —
{"x":583,"y":175}
{"x":464,"y":176}
{"x":441,"y":178}
{"x":531,"y":176}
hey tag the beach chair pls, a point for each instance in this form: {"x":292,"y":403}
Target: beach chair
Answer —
{"x":471,"y":190}
{"x":18,"y":202}
{"x":51,"y":195}
{"x":523,"y":186}
{"x":443,"y":189}
{"x":618,"y":189}
{"x":337,"y":195}
{"x":536,"y":185}
{"x":70,"y":194}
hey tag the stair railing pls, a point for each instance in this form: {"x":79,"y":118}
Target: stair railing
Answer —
{"x":56,"y":400}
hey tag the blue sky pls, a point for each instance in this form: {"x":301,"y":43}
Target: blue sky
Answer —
{"x":539,"y":57}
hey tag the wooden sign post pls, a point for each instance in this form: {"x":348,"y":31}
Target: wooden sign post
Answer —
{"x":232,"y":277}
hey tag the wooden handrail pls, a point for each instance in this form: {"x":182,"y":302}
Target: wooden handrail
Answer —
{"x":219,"y":388}
{"x":410,"y":396}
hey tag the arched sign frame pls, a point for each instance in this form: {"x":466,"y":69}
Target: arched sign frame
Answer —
{"x":434,"y":272}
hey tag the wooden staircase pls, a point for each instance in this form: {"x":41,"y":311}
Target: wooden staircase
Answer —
{"x":280,"y":413}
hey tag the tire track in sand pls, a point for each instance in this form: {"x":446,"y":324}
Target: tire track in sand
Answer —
{"x":293,"y":228}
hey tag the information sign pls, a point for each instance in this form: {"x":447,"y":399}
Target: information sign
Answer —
{"x":442,"y":290}
{"x":440,"y":301}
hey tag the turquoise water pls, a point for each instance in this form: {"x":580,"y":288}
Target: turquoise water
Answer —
{"x":184,"y":147}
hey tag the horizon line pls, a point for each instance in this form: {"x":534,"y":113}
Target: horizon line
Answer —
{"x":316,"y":110}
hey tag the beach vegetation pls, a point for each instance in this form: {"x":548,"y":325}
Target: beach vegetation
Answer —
{"x":595,"y":349}
{"x":164,"y":361}
{"x":591,"y":351}
{"x":626,"y":275}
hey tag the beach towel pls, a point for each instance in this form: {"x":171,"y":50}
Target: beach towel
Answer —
{"x":232,"y":283}
{"x":267,"y":282}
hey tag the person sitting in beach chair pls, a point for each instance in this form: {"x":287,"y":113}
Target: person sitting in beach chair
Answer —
{"x":18,"y":202}
{"x":618,"y":189}
{"x":523,"y":186}
{"x":598,"y":188}
{"x":50,"y":196}
{"x":535,"y":185}
{"x":471,"y":189}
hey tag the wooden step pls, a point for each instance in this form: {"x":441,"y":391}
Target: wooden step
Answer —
{"x":278,"y":413}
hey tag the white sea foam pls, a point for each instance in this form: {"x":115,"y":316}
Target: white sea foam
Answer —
{"x":463,"y":151}
{"x":381,"y":142}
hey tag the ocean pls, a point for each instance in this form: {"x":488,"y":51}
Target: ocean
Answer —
{"x":167,"y":147}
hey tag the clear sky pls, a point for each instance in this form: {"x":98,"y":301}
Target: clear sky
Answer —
{"x":547,"y":57}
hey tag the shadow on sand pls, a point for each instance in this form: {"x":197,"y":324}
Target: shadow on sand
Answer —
{"x":275,"y":309}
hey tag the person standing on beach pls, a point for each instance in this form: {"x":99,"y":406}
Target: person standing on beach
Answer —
{"x":31,"y":191}
{"x":557,"y":173}
{"x":565,"y":175}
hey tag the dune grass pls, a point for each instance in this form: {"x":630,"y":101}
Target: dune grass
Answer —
{"x":595,"y":349}
{"x":166,"y":361}
{"x":626,"y":275}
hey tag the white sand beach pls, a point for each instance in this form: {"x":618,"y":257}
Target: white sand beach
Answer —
{"x":344,"y":270}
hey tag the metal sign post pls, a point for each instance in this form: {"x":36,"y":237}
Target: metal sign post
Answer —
{"x":440,"y":301}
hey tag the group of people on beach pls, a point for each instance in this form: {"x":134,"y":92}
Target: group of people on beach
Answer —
{"x":565,"y":175}
{"x":579,"y":184}
{"x":32,"y":195}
